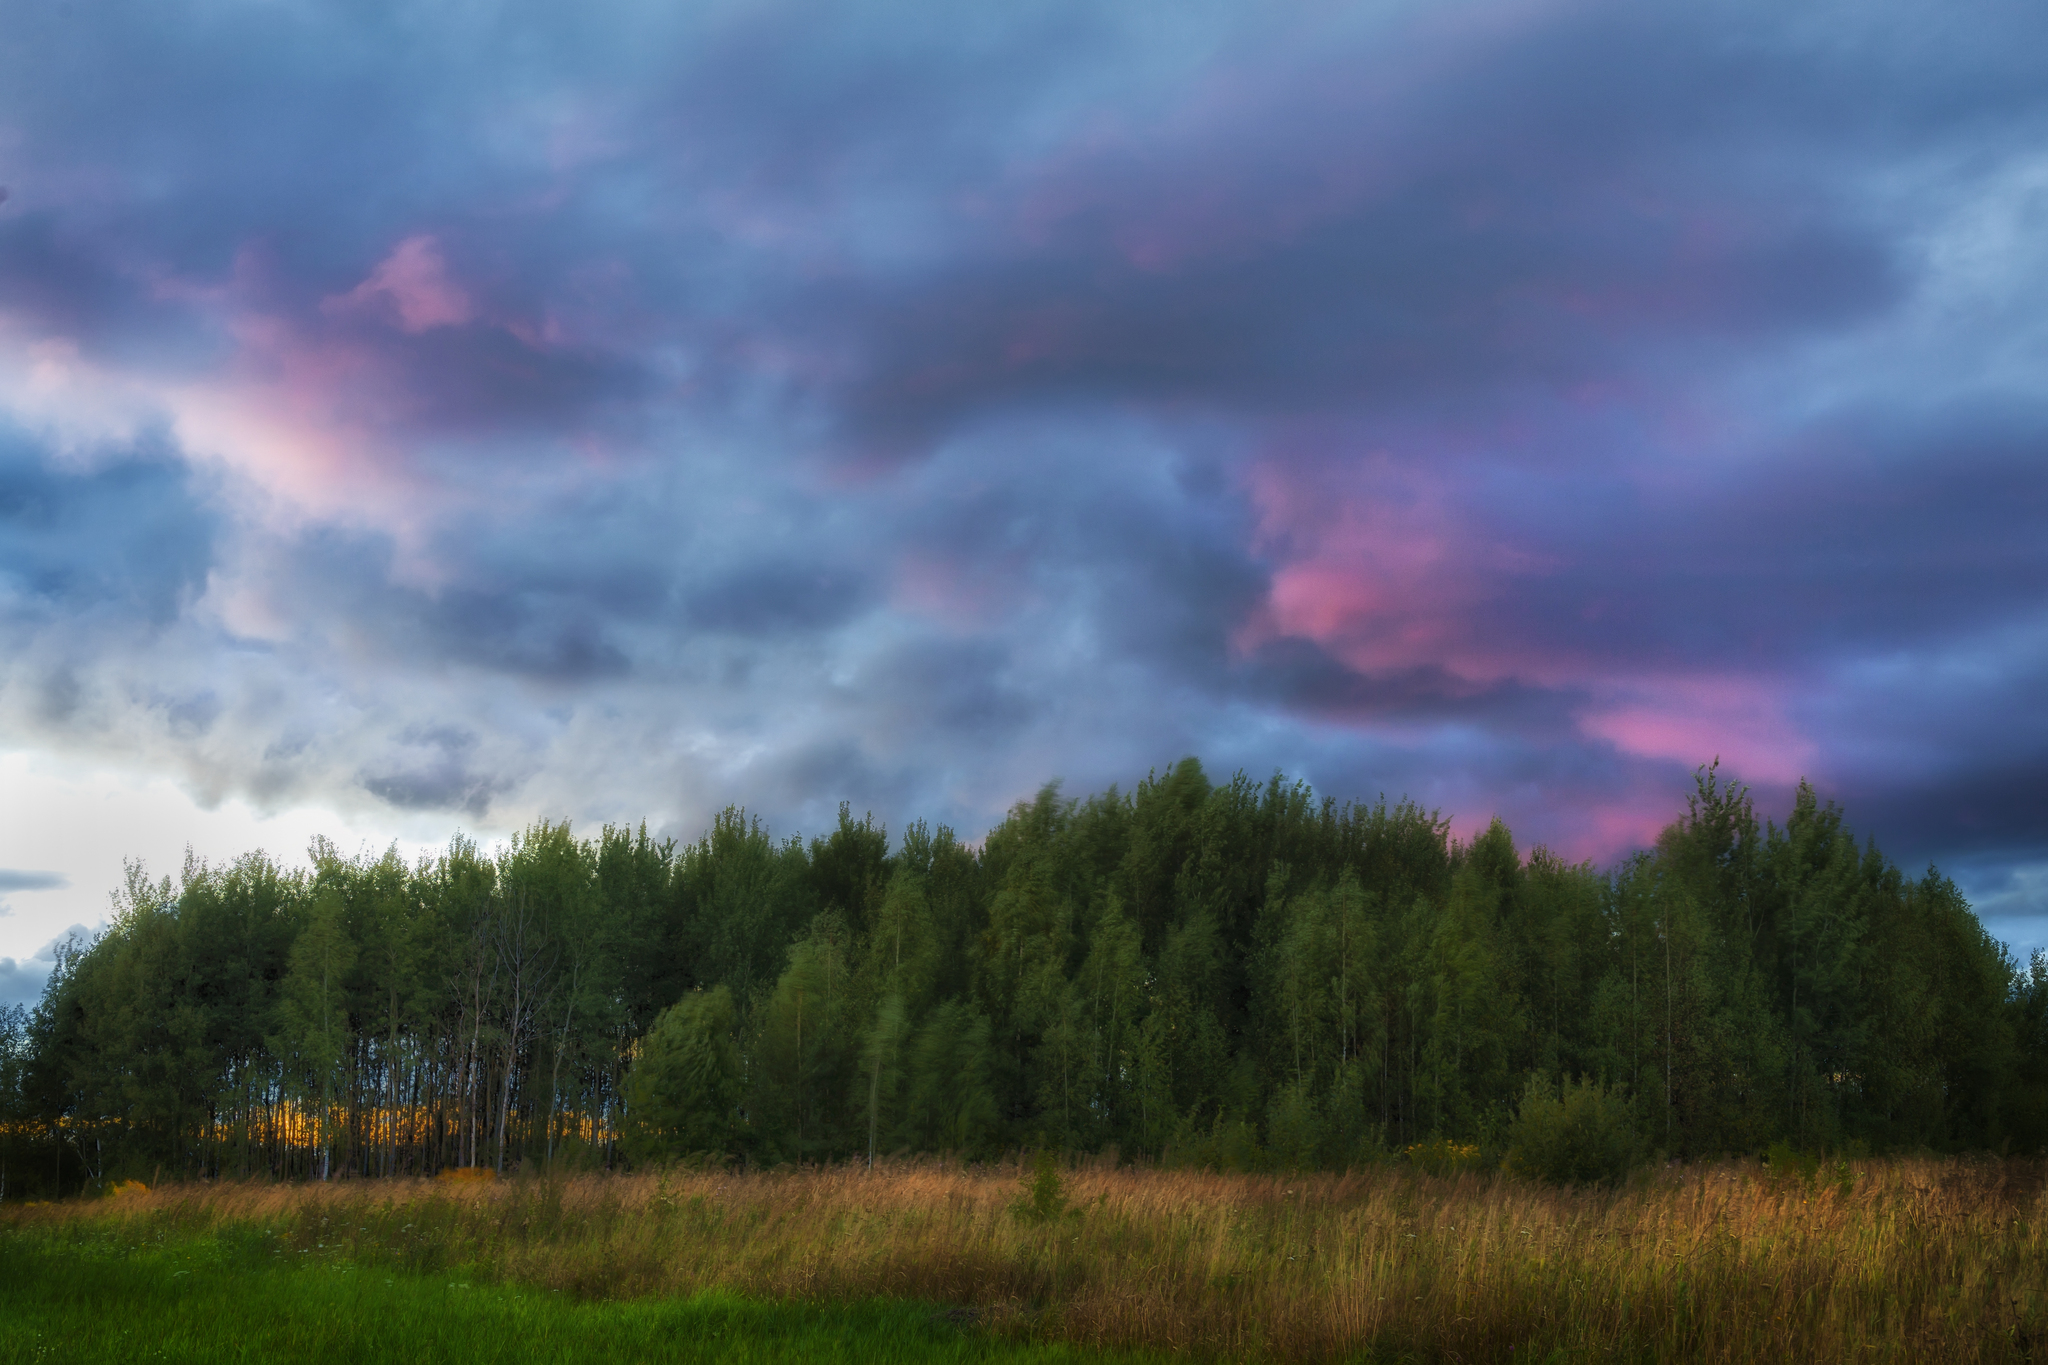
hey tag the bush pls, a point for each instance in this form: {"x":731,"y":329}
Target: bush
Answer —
{"x":1294,"y":1127}
{"x":467,"y":1175}
{"x":1580,"y":1133}
{"x":1227,"y":1145}
{"x":1044,"y":1197}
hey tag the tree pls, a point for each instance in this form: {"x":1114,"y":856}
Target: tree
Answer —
{"x":1190,"y":965}
{"x":903,"y":951}
{"x":802,"y":1063}
{"x":881,"y":1051}
{"x":686,"y":1081}
{"x":1474,"y":1010}
{"x":312,"y":1024}
{"x":951,"y":1106}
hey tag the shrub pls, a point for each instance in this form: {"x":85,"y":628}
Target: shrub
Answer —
{"x":1227,"y":1145}
{"x":1790,"y":1166}
{"x":1580,"y":1133}
{"x":1045,"y":1192}
{"x":1294,"y":1127}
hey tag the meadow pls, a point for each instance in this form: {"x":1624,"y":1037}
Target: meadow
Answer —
{"x":1913,"y":1259}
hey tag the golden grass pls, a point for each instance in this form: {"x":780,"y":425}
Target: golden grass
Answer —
{"x":1918,"y":1260}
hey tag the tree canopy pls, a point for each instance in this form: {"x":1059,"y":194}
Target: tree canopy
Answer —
{"x":1236,"y":972}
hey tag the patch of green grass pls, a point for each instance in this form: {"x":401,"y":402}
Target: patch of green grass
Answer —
{"x":245,"y":1296}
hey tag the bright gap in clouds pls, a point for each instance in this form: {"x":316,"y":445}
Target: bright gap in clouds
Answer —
{"x":76,"y":824}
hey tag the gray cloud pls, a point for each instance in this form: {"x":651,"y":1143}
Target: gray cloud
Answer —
{"x":851,"y":405}
{"x":130,"y":536}
{"x":22,"y":981}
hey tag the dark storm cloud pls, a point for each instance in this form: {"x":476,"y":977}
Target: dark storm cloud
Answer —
{"x":958,"y":691}
{"x":525,"y":633}
{"x":1864,"y":534}
{"x":126,"y":533}
{"x":1560,"y":205}
{"x":435,"y":773}
{"x":777,"y":598}
{"x":1995,"y":807}
{"x":1300,"y":676}
{"x":1489,"y":403}
{"x":21,"y":983}
{"x":541,"y":617}
{"x":1127,"y":531}
{"x":66,"y":284}
{"x":484,"y":380}
{"x":1389,"y":302}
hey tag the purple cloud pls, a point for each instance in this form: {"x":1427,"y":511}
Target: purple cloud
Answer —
{"x":614,"y":412}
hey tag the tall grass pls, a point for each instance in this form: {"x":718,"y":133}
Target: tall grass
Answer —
{"x":1900,"y":1260}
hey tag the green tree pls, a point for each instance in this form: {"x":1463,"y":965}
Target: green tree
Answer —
{"x":313,"y":1034}
{"x":1580,"y":1133}
{"x":801,"y":1060}
{"x":685,"y":1084}
{"x":1475,"y":1011}
{"x":881,"y":1064}
{"x":952,"y":1106}
{"x":903,"y":949}
{"x":1023,"y":972}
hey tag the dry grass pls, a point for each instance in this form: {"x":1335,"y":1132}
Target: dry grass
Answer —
{"x":1919,"y":1260}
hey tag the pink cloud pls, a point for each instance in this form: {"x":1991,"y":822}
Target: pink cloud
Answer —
{"x":312,"y":415}
{"x":412,"y":280}
{"x":1604,"y":832}
{"x":1693,"y":719}
{"x":1375,"y":563}
{"x":1379,"y":563}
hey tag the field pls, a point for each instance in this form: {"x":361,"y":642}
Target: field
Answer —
{"x":1901,"y":1260}
{"x":197,"y":1301}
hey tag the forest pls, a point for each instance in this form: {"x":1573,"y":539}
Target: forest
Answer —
{"x":1237,"y":974}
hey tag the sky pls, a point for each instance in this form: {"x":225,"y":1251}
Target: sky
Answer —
{"x":429,"y":417}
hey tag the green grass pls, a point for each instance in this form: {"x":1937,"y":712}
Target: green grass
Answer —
{"x":244,"y":1296}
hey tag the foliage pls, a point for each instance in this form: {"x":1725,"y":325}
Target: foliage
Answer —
{"x":1238,"y":975}
{"x":1044,"y":1196}
{"x":1790,"y":1168}
{"x":1577,"y":1133}
{"x":686,"y":1081}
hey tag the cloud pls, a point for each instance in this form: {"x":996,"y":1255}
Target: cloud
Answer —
{"x":127,"y":537}
{"x":413,"y":282}
{"x":615,"y":413}
{"x":22,"y":981}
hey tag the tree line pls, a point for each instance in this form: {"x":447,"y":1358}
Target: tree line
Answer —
{"x":1237,"y":973}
